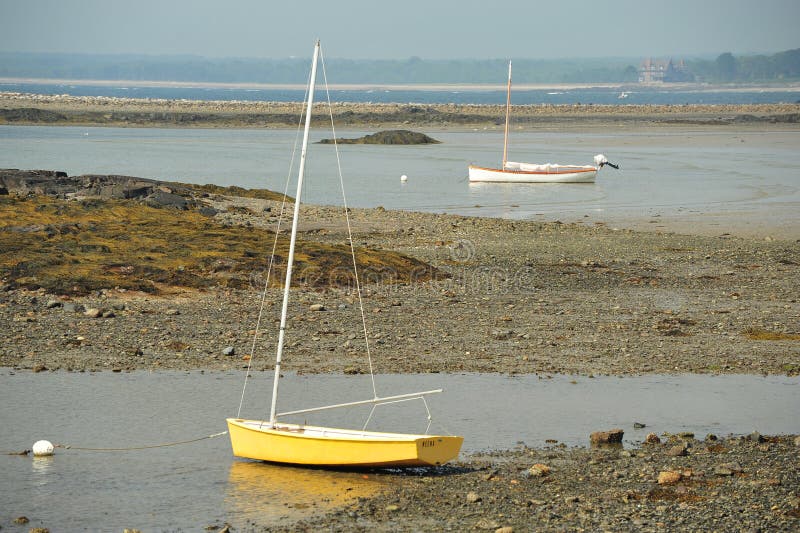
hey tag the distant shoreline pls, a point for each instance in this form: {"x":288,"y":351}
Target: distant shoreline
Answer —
{"x":65,"y":110}
{"x":699,"y":87}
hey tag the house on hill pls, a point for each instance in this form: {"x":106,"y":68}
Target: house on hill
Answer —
{"x":651,"y":71}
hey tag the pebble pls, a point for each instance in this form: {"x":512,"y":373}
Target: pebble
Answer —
{"x":229,"y":350}
{"x":652,"y":438}
{"x":539,"y":470}
{"x":728,"y":469}
{"x":668,"y":477}
{"x":472,"y":497}
{"x":316,"y":307}
{"x":679,"y":450}
{"x":755,"y":437}
{"x":486,"y":523}
{"x":51,"y":304}
{"x":93,"y":312}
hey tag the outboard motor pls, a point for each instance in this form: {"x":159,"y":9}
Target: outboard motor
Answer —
{"x":600,"y":160}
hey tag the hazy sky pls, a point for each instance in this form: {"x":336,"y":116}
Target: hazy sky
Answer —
{"x":430,"y":29}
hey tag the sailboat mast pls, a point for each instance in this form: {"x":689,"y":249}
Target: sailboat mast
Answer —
{"x":295,"y":218}
{"x":508,"y":112}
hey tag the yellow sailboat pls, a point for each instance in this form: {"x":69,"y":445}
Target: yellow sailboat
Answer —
{"x":276,"y":441}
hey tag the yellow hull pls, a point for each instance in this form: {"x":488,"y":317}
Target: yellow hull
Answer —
{"x":319,"y":446}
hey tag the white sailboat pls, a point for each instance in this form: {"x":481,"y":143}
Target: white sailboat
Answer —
{"x":514,"y":172}
{"x":277,"y":441}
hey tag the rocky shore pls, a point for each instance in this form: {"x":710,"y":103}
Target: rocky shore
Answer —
{"x":674,"y":483}
{"x":511,"y":297}
{"x":21,"y":108}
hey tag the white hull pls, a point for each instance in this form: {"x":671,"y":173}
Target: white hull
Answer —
{"x":555,"y":174}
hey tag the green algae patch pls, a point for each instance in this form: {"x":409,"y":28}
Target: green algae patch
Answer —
{"x":759,"y":334}
{"x":75,"y":247}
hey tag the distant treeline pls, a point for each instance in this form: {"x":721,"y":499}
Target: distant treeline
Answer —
{"x":725,"y":68}
{"x":783,"y":66}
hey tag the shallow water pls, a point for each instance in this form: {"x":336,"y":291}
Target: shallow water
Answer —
{"x":194,"y":485}
{"x":461,"y":94}
{"x":709,"y":180}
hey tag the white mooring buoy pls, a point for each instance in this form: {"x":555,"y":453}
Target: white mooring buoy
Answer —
{"x":403,"y":178}
{"x":42,"y":448}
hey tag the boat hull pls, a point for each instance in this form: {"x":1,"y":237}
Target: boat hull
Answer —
{"x":561,"y":174}
{"x":319,"y":446}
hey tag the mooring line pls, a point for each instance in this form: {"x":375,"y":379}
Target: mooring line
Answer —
{"x":166,"y":444}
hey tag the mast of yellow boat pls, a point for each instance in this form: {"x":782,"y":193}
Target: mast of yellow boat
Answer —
{"x":508,"y":112}
{"x":295,"y":218}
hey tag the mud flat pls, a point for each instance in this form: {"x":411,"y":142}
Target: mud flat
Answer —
{"x":512,"y":297}
{"x":21,"y":108}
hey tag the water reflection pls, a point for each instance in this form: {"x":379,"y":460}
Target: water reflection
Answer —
{"x":40,"y":467}
{"x":265,"y":493}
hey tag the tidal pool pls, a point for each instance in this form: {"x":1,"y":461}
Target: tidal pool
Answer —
{"x":194,"y":485}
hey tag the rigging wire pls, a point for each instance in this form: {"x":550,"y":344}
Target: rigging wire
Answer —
{"x":271,"y":263}
{"x":349,"y":229}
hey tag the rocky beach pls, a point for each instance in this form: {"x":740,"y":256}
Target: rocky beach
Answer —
{"x":23,"y":108}
{"x":508,"y":296}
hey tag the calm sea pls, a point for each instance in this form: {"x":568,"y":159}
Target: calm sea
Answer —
{"x":601,"y":95}
{"x":710,"y":180}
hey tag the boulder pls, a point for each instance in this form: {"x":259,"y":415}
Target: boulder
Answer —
{"x":613,"y":436}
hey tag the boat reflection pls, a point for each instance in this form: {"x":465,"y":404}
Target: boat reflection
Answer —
{"x":267,"y":494}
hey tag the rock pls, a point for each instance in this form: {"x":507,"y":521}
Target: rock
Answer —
{"x":504,"y":529}
{"x":387,"y":137}
{"x":229,"y":350}
{"x":93,"y":312}
{"x":639,"y":425}
{"x":392,"y":508}
{"x":652,"y":438}
{"x":711,"y":437}
{"x":486,"y":523}
{"x":571,"y":499}
{"x":21,"y":520}
{"x":172,"y":311}
{"x":159,"y":198}
{"x":52,"y":304}
{"x":797,"y":440}
{"x":755,"y":437}
{"x":728,"y":469}
{"x":539,"y":470}
{"x":108,"y":314}
{"x":316,"y":307}
{"x":668,"y":477}
{"x":677,"y":450}
{"x":472,"y":497}
{"x":501,"y":334}
{"x":612,"y":436}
